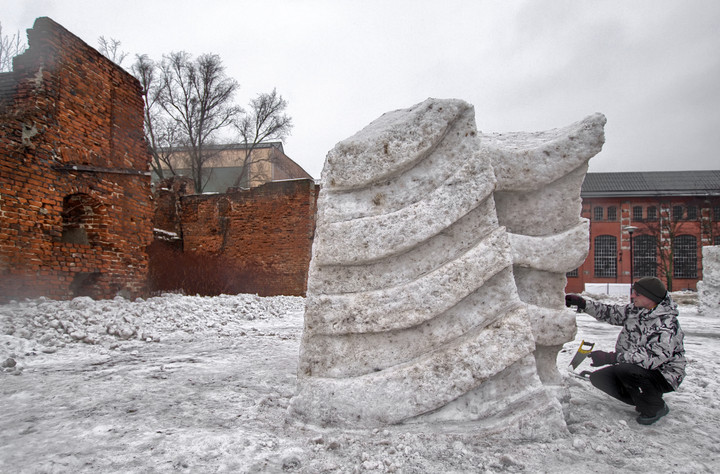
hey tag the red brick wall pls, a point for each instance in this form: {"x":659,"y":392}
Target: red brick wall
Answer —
{"x":267,"y":230}
{"x":167,"y":197}
{"x":71,"y":124}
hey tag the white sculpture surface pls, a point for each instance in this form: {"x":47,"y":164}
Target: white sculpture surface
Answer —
{"x":709,"y":287}
{"x":435,"y":290}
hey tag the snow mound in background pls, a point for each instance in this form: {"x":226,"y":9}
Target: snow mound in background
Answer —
{"x":52,"y":324}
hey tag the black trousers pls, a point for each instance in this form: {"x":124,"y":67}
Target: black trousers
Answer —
{"x":633,"y":385}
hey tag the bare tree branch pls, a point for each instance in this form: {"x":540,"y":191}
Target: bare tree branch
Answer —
{"x":189,"y":102}
{"x":160,"y":131}
{"x":10,"y":46}
{"x":266,"y":121}
{"x":111,"y":50}
{"x":197,"y":97}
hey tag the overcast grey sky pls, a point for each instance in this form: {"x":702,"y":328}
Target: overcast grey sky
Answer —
{"x":651,"y":66}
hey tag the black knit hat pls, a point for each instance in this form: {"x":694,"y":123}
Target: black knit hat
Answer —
{"x":651,"y":287}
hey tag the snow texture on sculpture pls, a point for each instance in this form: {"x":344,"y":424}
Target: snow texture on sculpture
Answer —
{"x":709,"y":287}
{"x":439,"y":260}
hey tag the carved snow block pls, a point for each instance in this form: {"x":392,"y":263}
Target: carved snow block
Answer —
{"x":539,"y":178}
{"x":412,"y":312}
{"x":709,"y":287}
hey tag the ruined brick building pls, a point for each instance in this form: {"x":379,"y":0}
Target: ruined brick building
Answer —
{"x":242,"y":235}
{"x":75,"y":198}
{"x":256,"y":240}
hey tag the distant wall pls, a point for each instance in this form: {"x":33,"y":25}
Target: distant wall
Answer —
{"x":75,"y":199}
{"x":257,"y":240}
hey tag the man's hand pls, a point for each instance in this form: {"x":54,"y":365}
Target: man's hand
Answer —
{"x":575,"y":300}
{"x":600,"y":358}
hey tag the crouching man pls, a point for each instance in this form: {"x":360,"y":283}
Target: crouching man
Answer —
{"x":649,"y":358}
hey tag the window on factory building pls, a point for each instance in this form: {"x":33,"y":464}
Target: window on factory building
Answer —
{"x":652,"y":213}
{"x":685,"y":256}
{"x":637,"y":214}
{"x":598,"y":214}
{"x":644,"y":256}
{"x":612,"y":213}
{"x":605,"y":256}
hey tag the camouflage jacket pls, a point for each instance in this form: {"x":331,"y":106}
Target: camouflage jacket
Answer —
{"x":651,"y":339}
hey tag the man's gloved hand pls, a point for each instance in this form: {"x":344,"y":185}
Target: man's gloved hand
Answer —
{"x":600,"y":358}
{"x":575,"y":300}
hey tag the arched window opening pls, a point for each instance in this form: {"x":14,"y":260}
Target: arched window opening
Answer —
{"x":81,"y":219}
{"x":644,"y":256}
{"x":637,"y":213}
{"x":652,"y":213}
{"x":612,"y":213}
{"x":685,"y":256}
{"x":605,"y":256}
{"x":598,"y":214}
{"x":677,"y":213}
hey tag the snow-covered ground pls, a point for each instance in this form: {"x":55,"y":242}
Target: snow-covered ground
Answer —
{"x":191,"y":384}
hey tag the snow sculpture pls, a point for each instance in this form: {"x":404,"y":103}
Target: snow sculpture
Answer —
{"x":439,"y":260}
{"x":709,"y":287}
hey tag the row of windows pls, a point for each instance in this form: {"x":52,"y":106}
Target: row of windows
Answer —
{"x":645,"y":256}
{"x":639,"y":214}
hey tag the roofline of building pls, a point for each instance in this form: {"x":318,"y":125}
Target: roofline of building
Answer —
{"x":652,"y":194}
{"x":613,"y":191}
{"x":654,"y":172}
{"x":229,"y":146}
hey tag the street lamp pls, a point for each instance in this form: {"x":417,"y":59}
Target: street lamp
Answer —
{"x":630,"y":229}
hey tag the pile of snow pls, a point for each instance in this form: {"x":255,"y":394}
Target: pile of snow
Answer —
{"x":47,"y":325}
{"x":211,"y":394}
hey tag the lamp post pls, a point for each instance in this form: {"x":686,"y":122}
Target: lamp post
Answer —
{"x":630,"y":229}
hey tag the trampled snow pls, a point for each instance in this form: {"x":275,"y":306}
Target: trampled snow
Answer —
{"x":196,"y":384}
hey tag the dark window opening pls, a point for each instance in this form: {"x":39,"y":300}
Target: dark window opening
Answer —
{"x":637,"y":213}
{"x":644,"y":256}
{"x":612,"y":213}
{"x":652,"y":213}
{"x":685,"y":256}
{"x":677,"y":213}
{"x":598,"y":214}
{"x":691,"y":213}
{"x":605,"y":256}
{"x":81,"y":219}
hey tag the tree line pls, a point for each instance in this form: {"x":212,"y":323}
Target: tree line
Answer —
{"x":190,"y":105}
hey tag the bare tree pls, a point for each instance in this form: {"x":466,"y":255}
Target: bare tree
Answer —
{"x":161,"y":133}
{"x":10,"y":46}
{"x":266,"y":121}
{"x":198,"y":97}
{"x":111,"y":50}
{"x":189,"y":102}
